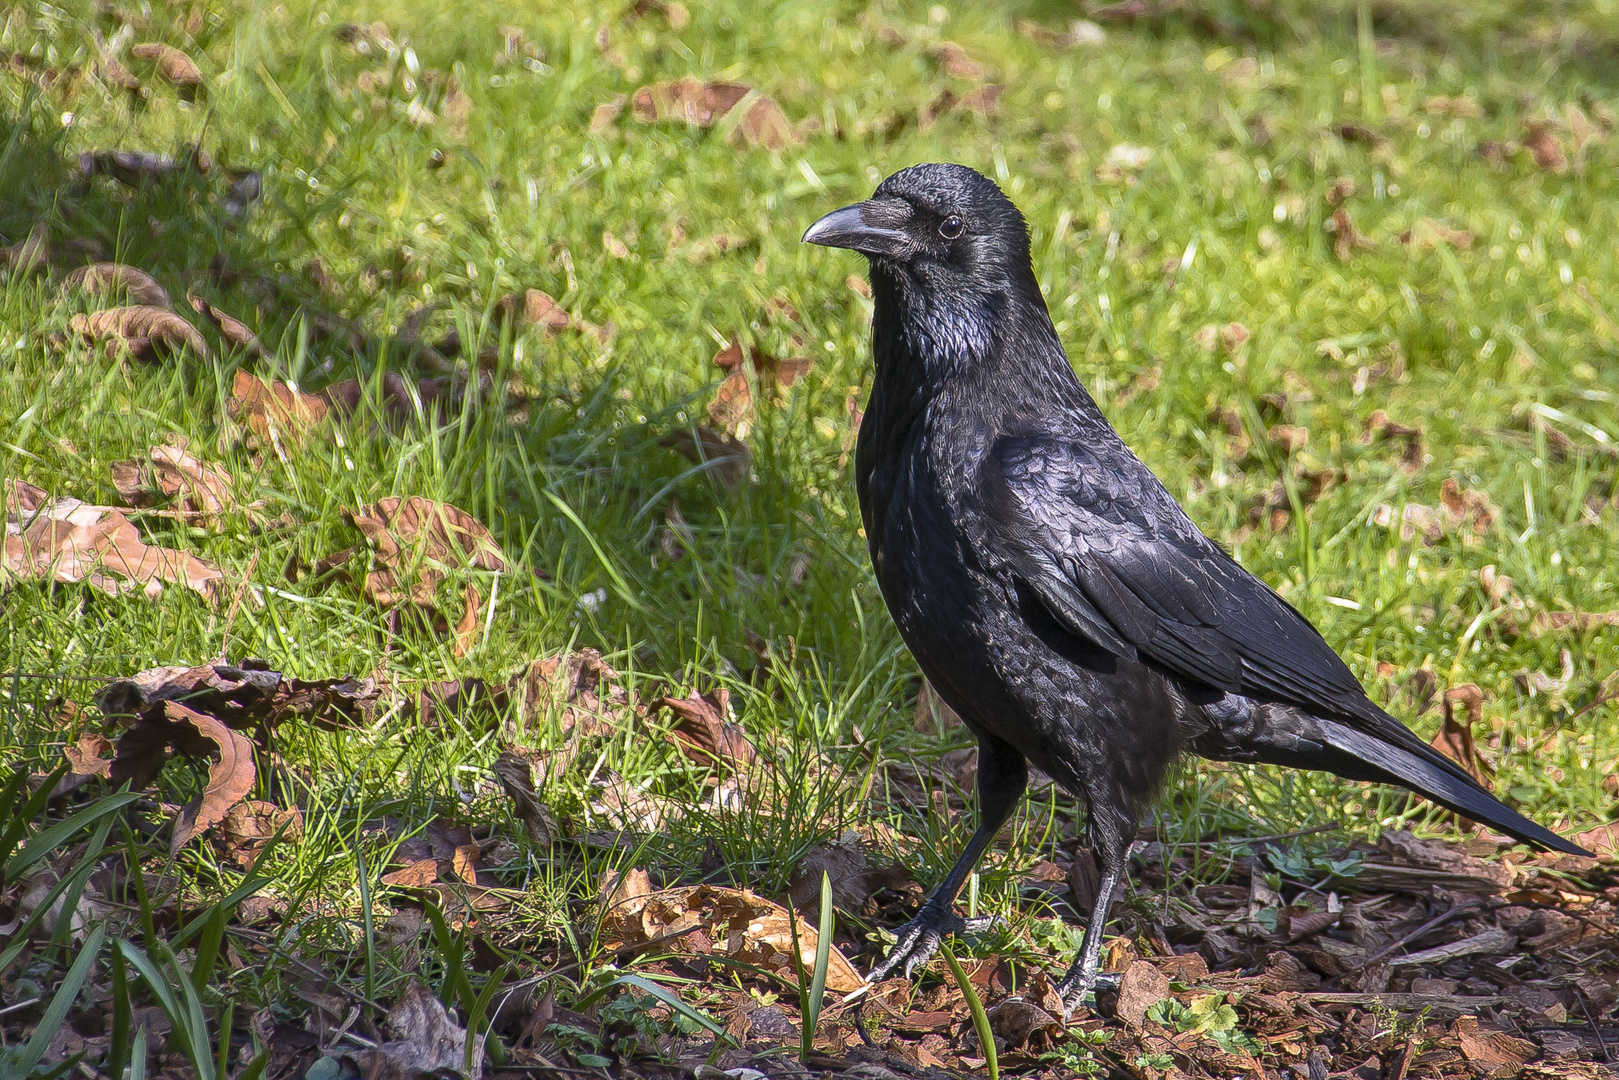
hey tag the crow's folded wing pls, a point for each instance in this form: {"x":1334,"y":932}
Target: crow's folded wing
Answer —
{"x":1114,"y":558}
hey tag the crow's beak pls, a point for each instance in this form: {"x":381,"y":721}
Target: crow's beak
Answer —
{"x":854,"y":227}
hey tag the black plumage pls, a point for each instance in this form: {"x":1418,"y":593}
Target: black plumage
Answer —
{"x":1047,"y":584}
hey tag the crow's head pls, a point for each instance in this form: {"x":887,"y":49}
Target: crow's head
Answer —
{"x":943,"y":225}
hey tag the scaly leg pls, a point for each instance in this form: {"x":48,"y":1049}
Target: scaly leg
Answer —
{"x":1002,"y":776}
{"x":1112,"y":830}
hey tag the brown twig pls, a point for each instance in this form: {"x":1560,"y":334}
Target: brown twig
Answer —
{"x":1607,"y":1055}
{"x":1467,"y":907}
{"x":1328,"y":827}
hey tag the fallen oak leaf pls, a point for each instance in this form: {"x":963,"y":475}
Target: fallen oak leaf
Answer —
{"x":143,"y":330}
{"x":1346,"y":239}
{"x":245,"y":695}
{"x":106,"y":278}
{"x":429,"y":537}
{"x":1429,"y":233}
{"x":143,"y":748}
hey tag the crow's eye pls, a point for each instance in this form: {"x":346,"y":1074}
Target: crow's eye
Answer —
{"x":951,"y":227}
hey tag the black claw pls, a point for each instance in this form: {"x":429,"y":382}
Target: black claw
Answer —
{"x":919,"y":939}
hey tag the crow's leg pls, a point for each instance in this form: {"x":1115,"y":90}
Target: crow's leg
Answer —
{"x":1111,"y":833}
{"x":1002,"y":776}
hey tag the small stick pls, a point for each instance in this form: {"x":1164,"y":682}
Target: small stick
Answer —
{"x":1328,"y":827}
{"x":1607,"y":1055}
{"x":1454,"y":913}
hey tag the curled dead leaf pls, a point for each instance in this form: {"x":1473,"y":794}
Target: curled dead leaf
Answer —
{"x":516,"y":775}
{"x":1540,"y":139}
{"x":954,"y":61}
{"x":251,"y":824}
{"x":231,"y":329}
{"x":704,"y":732}
{"x":146,"y":332}
{"x":425,"y":1039}
{"x":109,"y":278}
{"x":427,"y":537}
{"x":1429,"y":233}
{"x":690,"y":99}
{"x":1346,"y":239}
{"x":245,"y":695}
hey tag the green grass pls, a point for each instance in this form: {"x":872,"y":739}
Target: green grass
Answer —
{"x":1240,"y":108}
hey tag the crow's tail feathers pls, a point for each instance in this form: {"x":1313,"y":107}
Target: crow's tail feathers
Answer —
{"x":1413,"y":764}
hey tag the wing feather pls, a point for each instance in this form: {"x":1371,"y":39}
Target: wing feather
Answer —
{"x":1117,"y":561}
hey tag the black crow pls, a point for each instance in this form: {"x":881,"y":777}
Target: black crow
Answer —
{"x":1048,"y":585}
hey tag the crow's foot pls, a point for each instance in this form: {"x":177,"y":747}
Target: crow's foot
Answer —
{"x":1077,"y":989}
{"x":919,"y":940}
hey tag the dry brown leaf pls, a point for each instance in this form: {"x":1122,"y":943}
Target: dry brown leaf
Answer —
{"x":1346,"y":238}
{"x":604,"y":115}
{"x":744,"y":926}
{"x":535,"y":308}
{"x":466,"y":629}
{"x":1540,"y":139}
{"x":248,"y":695}
{"x":516,"y":775}
{"x":145,"y":331}
{"x":90,"y":756}
{"x":1464,"y":707}
{"x":426,"y":1039}
{"x":28,"y":254}
{"x":251,"y":824}
{"x":416,"y":874}
{"x":231,"y":329}
{"x":425,"y":536}
{"x":1341,"y":189}
{"x":690,"y":99}
{"x":1428,"y":233}
{"x":204,"y":490}
{"x":114,"y":72}
{"x":171,"y":63}
{"x":731,"y":411}
{"x":109,"y":278}
{"x":705,"y":734}
{"x":142,"y":749}
{"x":764,"y":124}
{"x":729,"y":459}
{"x":955,"y":62}
{"x":68,"y":541}
{"x":273,"y":411}
{"x":581,"y":682}
{"x":1464,"y":107}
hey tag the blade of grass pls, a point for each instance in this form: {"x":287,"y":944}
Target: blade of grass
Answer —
{"x":56,"y":1012}
{"x":986,"y":1038}
{"x":823,"y":955}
